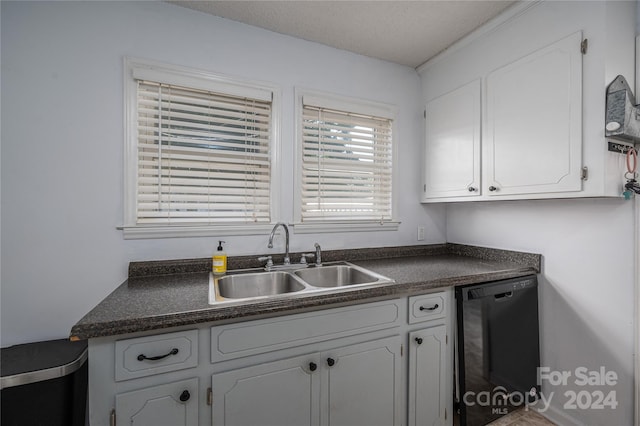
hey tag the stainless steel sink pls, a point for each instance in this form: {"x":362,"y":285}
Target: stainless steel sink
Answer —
{"x":338,"y":276}
{"x":255,"y":284}
{"x":260,"y":284}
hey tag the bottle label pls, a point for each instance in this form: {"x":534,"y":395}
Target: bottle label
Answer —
{"x":218,"y":262}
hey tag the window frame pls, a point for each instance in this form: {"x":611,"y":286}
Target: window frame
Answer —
{"x":202,"y":80}
{"x":357,"y":106}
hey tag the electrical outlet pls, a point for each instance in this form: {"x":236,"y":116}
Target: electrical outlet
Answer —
{"x":420,"y":233}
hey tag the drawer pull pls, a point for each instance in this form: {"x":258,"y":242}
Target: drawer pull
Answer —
{"x":185,"y":395}
{"x":433,"y":308}
{"x":419,"y":340}
{"x":142,"y":357}
{"x":312,"y":366}
{"x":331,"y":362}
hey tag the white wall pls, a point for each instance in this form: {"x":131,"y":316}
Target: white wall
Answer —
{"x":62,"y":144}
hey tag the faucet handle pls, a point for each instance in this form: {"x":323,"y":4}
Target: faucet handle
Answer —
{"x":303,"y":258}
{"x":269,"y":261}
{"x":318,"y":254}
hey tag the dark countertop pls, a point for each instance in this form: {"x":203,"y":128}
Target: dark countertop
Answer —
{"x":165,"y":294}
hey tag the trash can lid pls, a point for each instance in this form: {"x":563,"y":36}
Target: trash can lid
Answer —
{"x":38,"y":361}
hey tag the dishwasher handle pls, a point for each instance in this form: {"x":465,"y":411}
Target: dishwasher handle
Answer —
{"x":498,"y":289}
{"x":503,"y":296}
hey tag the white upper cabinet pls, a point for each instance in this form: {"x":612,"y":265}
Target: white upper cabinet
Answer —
{"x":533,"y":137}
{"x":452,"y":148}
{"x":516,"y":109}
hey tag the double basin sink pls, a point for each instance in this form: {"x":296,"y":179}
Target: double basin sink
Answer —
{"x":251,"y":285}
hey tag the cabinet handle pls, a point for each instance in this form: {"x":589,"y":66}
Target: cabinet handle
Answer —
{"x":493,"y":188}
{"x":331,"y":362}
{"x":419,"y":340}
{"x":472,"y":189}
{"x":142,"y":357}
{"x":433,"y":308}
{"x":313,"y":366}
{"x":185,"y":395}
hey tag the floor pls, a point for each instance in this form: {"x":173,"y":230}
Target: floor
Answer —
{"x":517,"y":418}
{"x":523,"y":418}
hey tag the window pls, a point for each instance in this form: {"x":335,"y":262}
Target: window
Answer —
{"x":346,"y":164}
{"x":199,"y":153}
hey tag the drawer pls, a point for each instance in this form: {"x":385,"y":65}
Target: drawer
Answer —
{"x":261,"y":336}
{"x":427,"y":307}
{"x":148,"y":355}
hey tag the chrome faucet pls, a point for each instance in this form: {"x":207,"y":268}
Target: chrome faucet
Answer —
{"x":318,"y":255}
{"x":287,"y":261}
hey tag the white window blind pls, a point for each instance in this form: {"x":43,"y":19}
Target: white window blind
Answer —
{"x":346,"y":166}
{"x":203,"y":157}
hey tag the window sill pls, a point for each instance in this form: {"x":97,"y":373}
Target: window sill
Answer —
{"x":147,"y":232}
{"x":312,"y":228}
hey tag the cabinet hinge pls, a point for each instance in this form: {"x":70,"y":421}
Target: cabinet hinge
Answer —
{"x":424,"y":113}
{"x":424,"y":188}
{"x":112,"y":418}
{"x":446,"y":339}
{"x":209,"y":396}
{"x":401,"y":350}
{"x":584,"y":175}
{"x":584,"y":46}
{"x":445,"y":414}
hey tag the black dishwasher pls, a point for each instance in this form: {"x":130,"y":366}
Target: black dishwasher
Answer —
{"x":497,"y":348}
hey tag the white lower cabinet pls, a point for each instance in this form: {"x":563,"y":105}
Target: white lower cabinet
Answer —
{"x":352,"y":385}
{"x":277,"y":393}
{"x":345,"y":366}
{"x":428,"y":377}
{"x":172,"y":404}
{"x":363,"y":384}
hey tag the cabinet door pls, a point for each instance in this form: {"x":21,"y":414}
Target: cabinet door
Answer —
{"x":427,"y":377}
{"x":533,"y":140}
{"x":274,"y":394}
{"x":452,"y":145}
{"x":173,"y":404}
{"x":363,"y":384}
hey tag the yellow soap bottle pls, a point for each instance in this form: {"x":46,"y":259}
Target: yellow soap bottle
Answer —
{"x":219,"y":261}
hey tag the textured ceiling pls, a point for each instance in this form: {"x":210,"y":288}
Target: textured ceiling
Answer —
{"x":405,"y":32}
